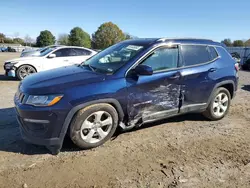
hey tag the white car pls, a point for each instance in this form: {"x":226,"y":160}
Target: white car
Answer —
{"x":49,"y":59}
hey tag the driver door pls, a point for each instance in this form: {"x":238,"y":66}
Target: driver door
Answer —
{"x":156,"y":96}
{"x":63,"y":58}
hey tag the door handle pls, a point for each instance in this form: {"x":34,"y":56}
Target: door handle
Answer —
{"x":175,"y":76}
{"x":212,"y":70}
{"x":66,"y":60}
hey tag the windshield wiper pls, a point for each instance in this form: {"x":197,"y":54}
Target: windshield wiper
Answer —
{"x":89,"y":66}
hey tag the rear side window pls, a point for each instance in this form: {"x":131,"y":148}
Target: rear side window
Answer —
{"x":213,"y":52}
{"x":195,"y":54}
{"x":81,"y":52}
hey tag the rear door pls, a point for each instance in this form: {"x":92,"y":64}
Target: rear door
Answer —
{"x":82,"y":55}
{"x":155,"y":96}
{"x":198,"y":72}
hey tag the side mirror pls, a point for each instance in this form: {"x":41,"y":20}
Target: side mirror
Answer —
{"x":143,"y":70}
{"x":51,"y":56}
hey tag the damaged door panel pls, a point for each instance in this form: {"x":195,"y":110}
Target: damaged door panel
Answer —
{"x":155,"y":96}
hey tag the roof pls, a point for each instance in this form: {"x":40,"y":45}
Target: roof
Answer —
{"x":148,"y":41}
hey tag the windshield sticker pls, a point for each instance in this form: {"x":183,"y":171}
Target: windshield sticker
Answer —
{"x":133,"y":47}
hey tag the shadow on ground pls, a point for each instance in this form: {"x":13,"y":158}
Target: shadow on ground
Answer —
{"x":7,"y":78}
{"x":246,"y":87}
{"x":11,"y":140}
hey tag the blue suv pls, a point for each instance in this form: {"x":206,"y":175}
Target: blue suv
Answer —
{"x":126,"y":85}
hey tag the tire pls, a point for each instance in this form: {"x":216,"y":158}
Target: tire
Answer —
{"x":90,"y":121}
{"x":218,"y":108}
{"x":24,"y":71}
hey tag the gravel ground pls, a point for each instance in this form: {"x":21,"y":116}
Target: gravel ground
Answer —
{"x":185,"y":151}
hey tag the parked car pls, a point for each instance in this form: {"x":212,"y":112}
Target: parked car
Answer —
{"x":160,"y":78}
{"x":236,"y":57}
{"x":3,"y":49}
{"x":51,"y":58}
{"x":9,"y":49}
{"x":37,"y":52}
{"x":246,"y":65}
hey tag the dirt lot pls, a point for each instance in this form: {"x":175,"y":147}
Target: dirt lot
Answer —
{"x":186,"y":151}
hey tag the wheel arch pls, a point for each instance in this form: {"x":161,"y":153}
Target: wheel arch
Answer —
{"x":75,"y":109}
{"x":26,"y":64}
{"x":228,"y":84}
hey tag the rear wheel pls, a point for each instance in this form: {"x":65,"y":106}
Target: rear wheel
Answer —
{"x":219,"y":104}
{"x":93,"y":125}
{"x":24,"y":71}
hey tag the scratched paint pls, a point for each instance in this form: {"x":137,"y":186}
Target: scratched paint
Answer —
{"x":141,"y":103}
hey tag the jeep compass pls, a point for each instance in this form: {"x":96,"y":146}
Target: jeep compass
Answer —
{"x":126,"y":85}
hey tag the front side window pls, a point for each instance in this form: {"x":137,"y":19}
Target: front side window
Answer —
{"x":163,"y":59}
{"x":195,"y":54}
{"x":114,"y":57}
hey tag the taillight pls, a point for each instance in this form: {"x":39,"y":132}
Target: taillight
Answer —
{"x":237,"y":66}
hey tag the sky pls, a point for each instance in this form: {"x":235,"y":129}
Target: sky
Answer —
{"x":212,"y":19}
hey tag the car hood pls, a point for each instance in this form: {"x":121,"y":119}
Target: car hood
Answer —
{"x":58,"y":80}
{"x":24,"y":59}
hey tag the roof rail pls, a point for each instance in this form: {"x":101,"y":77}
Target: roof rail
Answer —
{"x":164,"y":39}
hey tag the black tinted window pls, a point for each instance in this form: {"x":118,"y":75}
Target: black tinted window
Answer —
{"x":162,"y":59}
{"x":81,"y":52}
{"x":65,"y":52}
{"x":213,"y":53}
{"x":194,"y":55}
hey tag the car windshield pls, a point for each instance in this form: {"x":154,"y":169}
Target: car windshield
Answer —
{"x":47,"y":51}
{"x":111,"y":59}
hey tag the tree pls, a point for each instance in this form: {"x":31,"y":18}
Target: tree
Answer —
{"x":2,"y":37}
{"x":45,"y":39}
{"x":227,"y":42}
{"x":8,"y":40}
{"x":28,"y":40}
{"x":107,"y":35}
{"x":18,"y":41}
{"x":247,"y":43}
{"x":238,"y":43}
{"x":63,"y":39}
{"x":78,"y":37}
{"x":128,"y":36}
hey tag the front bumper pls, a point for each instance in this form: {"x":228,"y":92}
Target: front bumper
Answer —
{"x":10,"y":72}
{"x":41,"y":125}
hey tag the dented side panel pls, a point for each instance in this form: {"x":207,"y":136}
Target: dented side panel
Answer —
{"x":149,"y":96}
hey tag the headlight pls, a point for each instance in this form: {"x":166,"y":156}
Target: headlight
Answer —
{"x":9,"y":65}
{"x":43,"y":100}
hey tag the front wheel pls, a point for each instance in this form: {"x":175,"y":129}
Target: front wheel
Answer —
{"x":219,"y":105}
{"x":24,"y":71}
{"x":93,"y":125}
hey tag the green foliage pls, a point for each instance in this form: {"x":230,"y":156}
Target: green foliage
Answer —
{"x":63,"y":39}
{"x":18,"y":41}
{"x":247,"y":43}
{"x":78,"y":37}
{"x":2,"y":37}
{"x":8,"y":40}
{"x":238,"y":43}
{"x":128,"y":36}
{"x":45,"y":39}
{"x":227,"y":42}
{"x":107,"y":35}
